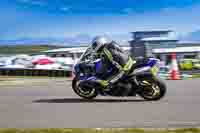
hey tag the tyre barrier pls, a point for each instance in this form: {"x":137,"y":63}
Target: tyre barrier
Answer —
{"x":34,"y":72}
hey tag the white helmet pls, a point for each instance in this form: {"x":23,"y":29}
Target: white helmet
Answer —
{"x":98,"y":42}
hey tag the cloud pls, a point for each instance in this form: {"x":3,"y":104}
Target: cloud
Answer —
{"x":33,"y":2}
{"x":173,"y":35}
{"x":127,"y":10}
{"x":24,"y":1}
{"x":65,"y":9}
{"x":39,"y":3}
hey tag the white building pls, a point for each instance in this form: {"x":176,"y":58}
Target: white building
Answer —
{"x":70,"y":56}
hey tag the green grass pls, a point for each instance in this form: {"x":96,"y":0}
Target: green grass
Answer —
{"x":129,"y":130}
{"x":196,"y":75}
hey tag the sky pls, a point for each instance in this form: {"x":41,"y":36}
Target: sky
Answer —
{"x":68,"y":18}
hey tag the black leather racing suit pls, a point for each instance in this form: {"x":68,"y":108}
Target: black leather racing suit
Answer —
{"x":112,"y":54}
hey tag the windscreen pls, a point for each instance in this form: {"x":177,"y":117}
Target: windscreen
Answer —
{"x":88,"y":55}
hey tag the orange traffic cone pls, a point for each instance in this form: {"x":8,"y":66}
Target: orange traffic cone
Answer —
{"x":174,"y":72}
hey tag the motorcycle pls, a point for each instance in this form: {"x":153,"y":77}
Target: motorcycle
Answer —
{"x":142,"y":80}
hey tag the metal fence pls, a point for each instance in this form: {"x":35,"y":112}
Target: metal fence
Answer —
{"x":34,"y":72}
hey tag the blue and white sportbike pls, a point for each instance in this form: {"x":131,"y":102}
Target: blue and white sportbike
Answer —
{"x":142,"y":80}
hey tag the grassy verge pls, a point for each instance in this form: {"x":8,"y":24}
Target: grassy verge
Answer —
{"x":53,"y":130}
{"x":26,"y":49}
{"x":196,"y":76}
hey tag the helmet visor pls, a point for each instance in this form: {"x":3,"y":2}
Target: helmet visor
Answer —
{"x":94,"y":45}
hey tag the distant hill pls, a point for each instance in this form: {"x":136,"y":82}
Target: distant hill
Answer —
{"x":65,"y":41}
{"x":26,"y":49}
{"x":36,"y":45}
{"x":81,"y":38}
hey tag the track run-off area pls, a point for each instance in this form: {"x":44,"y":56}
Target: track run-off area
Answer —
{"x":51,"y":102}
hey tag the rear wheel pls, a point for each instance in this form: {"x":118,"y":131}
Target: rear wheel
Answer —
{"x":152,"y":88}
{"x":84,"y":92}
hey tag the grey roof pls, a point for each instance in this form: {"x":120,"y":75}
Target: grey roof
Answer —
{"x":137,"y":35}
{"x":152,"y":32}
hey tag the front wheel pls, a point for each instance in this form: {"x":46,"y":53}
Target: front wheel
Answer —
{"x":153,"y":88}
{"x":86,"y":92}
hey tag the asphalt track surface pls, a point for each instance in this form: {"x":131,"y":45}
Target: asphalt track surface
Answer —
{"x":47,"y":103}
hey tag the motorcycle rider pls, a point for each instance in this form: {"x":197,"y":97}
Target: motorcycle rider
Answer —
{"x":111,"y":53}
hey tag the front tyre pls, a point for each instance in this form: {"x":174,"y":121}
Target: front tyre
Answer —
{"x":153,"y":88}
{"x":86,"y":92}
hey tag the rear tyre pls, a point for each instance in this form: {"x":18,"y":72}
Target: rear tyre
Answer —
{"x":86,"y":93}
{"x":153,"y":88}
